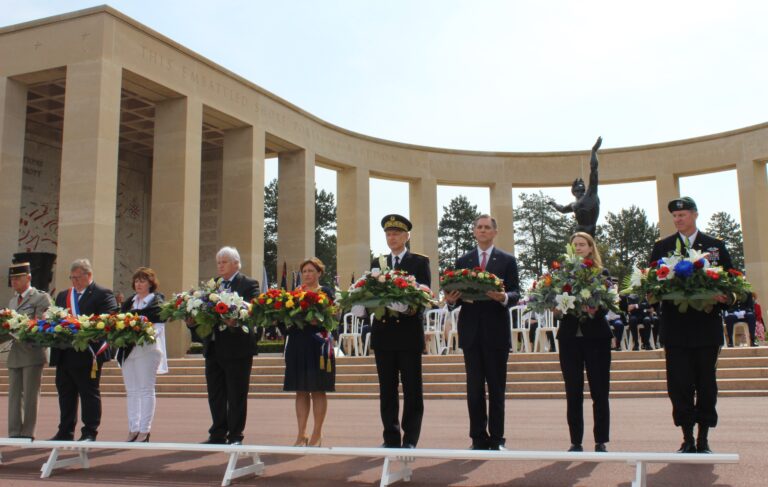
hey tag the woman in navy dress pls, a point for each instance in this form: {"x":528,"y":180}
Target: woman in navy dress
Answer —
{"x":310,"y":368}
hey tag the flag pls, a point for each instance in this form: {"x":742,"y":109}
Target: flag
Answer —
{"x":264,"y":280}
{"x":283,"y":283}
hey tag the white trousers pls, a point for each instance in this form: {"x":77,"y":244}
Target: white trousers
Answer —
{"x":139,"y":377}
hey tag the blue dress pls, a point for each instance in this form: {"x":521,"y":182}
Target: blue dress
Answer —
{"x":305,"y":352}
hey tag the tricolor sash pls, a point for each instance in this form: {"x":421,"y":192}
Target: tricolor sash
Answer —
{"x":72,"y":303}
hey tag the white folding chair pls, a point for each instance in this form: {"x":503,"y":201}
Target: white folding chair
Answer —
{"x":740,"y":328}
{"x":546,"y":324}
{"x":434,"y":324}
{"x":452,"y":338}
{"x":351,"y":331}
{"x":520,"y":325}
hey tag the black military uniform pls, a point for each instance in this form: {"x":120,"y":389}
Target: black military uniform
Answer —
{"x":692,"y":342}
{"x":398,"y":343}
{"x":640,"y":315}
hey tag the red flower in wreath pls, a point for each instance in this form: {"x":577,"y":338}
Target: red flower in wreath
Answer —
{"x":662,"y":272}
{"x":654,"y":264}
{"x":698,"y":264}
{"x":735,"y":273}
{"x":304,"y":305}
{"x":589,"y":263}
{"x":221,"y":308}
{"x":278,"y":304}
{"x":713,"y":274}
{"x":555,"y":264}
{"x":567,"y":288}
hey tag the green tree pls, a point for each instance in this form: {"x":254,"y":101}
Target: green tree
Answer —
{"x":628,"y":238}
{"x":540,"y":234}
{"x":723,"y":226}
{"x":455,"y":230}
{"x":325,"y":233}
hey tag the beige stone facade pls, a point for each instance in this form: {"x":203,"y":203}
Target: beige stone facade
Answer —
{"x":120,"y":145}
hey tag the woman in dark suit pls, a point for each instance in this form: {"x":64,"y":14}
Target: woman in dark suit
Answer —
{"x":141,"y":364}
{"x":586,"y":344}
{"x":306,"y":350}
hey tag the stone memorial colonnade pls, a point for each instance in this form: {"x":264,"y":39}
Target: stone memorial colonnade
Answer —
{"x":109,"y":89}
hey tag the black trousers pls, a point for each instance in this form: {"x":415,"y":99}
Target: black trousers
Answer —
{"x":594,"y":354}
{"x":692,"y":384}
{"x":71,"y":383}
{"x":645,"y":333}
{"x":393,"y":366}
{"x":486,"y":422}
{"x":228,"y":382}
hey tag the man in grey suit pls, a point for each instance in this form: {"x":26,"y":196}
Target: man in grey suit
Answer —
{"x":25,"y":360}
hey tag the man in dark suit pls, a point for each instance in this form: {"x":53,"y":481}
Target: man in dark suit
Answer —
{"x":484,"y":336}
{"x":79,"y":373}
{"x":398,"y":343}
{"x":692,"y":340}
{"x":229,"y":358}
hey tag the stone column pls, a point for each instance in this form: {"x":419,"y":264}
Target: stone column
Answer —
{"x":423,"y":213}
{"x":753,"y":200}
{"x":667,"y":189}
{"x":353,"y":215}
{"x":13,"y":117}
{"x":501,"y":209}
{"x":89,"y":169}
{"x":175,"y":222}
{"x":242,"y":202}
{"x":295,"y":209}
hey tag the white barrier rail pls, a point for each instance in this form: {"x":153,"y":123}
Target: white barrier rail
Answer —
{"x":401,"y":457}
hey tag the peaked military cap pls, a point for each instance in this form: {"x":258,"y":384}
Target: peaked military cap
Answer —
{"x":20,"y":269}
{"x":684,"y":203}
{"x":396,"y":221}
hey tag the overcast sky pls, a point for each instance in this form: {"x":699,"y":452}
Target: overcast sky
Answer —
{"x":489,"y":75}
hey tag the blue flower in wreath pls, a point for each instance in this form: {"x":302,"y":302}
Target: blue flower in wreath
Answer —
{"x":684,"y":268}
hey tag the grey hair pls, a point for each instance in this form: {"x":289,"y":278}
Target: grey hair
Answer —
{"x":231,"y":253}
{"x":82,"y":264}
{"x":485,"y":215}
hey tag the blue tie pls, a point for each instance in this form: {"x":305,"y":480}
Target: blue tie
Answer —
{"x":226,"y":283}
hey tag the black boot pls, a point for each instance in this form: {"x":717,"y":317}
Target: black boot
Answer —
{"x":702,"y":444}
{"x":689,"y":445}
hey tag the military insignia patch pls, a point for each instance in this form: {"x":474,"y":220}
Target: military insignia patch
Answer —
{"x":714,"y":255}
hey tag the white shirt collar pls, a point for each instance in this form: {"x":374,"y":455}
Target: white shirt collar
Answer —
{"x":692,"y":238}
{"x":487,"y":251}
{"x":139,"y":303}
{"x":232,"y":277}
{"x":400,"y":255}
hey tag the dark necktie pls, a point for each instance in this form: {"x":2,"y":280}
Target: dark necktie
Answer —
{"x":397,"y":261}
{"x":19,"y":300}
{"x":226,"y":283}
{"x":484,"y":261}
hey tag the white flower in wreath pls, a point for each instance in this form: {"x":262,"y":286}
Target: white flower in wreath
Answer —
{"x":585,"y":293}
{"x":636,"y":279}
{"x":565,"y":302}
{"x":213,"y":297}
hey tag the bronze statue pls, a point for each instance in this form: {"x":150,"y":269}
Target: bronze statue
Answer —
{"x":586,"y":208}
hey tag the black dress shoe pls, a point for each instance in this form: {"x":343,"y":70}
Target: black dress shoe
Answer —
{"x":600,"y":448}
{"x":236,"y":442}
{"x":702,"y":447}
{"x":87,"y":438}
{"x":389,"y":445}
{"x":214,"y":441}
{"x":687,"y":447}
{"x":408,"y":445}
{"x":498,"y":448}
{"x":575,"y":448}
{"x":477,"y":446}
{"x":753,"y":343}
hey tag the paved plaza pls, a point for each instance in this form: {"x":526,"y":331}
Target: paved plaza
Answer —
{"x":637,"y":425}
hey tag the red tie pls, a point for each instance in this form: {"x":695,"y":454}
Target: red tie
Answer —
{"x":484,"y":260}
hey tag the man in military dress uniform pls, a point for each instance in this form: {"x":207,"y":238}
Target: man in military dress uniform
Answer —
{"x":25,"y":360}
{"x":692,"y":340}
{"x":398,"y":343}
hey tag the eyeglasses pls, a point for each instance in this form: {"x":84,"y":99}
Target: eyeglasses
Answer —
{"x":78,"y":277}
